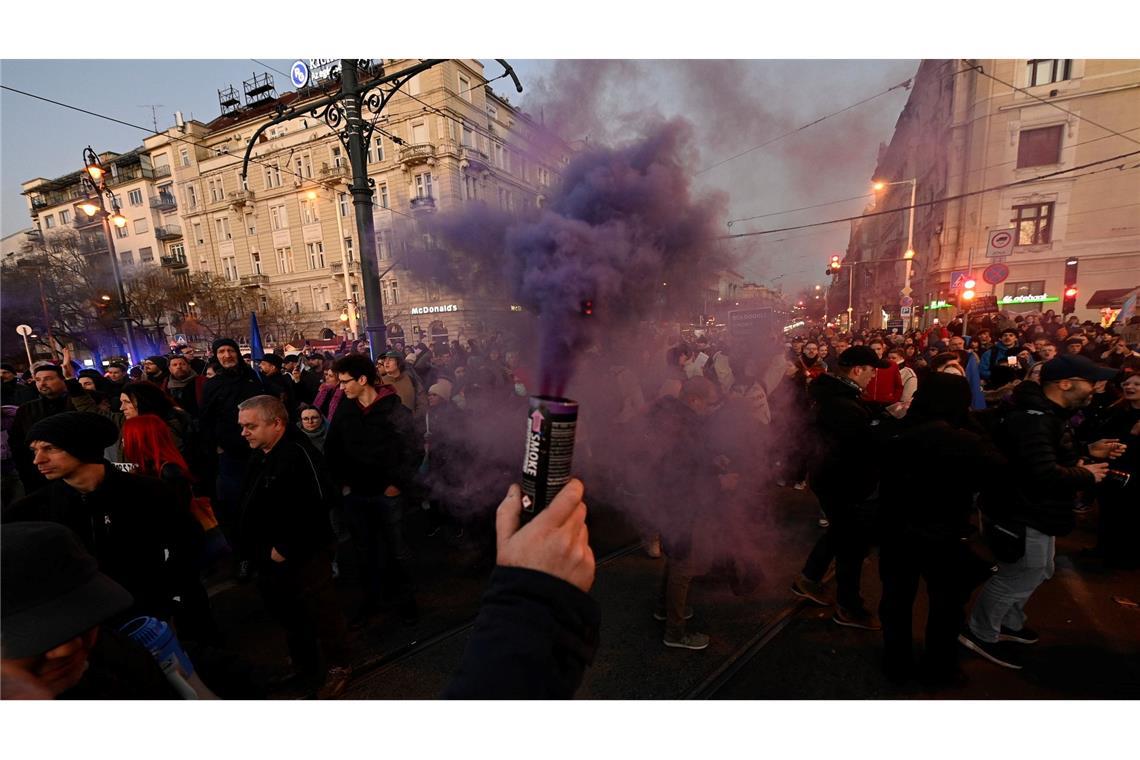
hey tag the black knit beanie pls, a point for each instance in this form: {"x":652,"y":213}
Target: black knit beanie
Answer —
{"x":84,"y":435}
{"x":162,"y":362}
{"x":226,"y":342}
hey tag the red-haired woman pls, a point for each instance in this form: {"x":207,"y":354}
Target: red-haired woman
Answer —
{"x":149,"y":445}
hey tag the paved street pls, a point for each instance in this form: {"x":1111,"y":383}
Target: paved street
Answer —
{"x":1089,"y":643}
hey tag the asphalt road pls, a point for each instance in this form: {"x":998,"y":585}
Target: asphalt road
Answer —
{"x":1090,"y":644}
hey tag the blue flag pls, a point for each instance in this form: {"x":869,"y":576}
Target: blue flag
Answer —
{"x":256,"y":352}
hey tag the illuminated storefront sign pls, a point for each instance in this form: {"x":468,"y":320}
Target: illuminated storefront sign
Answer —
{"x":1015,"y":300}
{"x":937,"y":305}
{"x":435,"y":309}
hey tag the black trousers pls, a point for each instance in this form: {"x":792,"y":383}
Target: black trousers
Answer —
{"x":302,"y":599}
{"x":847,"y":541}
{"x":945,"y":567}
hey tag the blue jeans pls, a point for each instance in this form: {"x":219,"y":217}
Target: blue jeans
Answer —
{"x":1003,"y":598}
{"x":376,"y":526}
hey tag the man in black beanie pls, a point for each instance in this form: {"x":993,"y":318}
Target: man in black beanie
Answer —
{"x":156,"y":370}
{"x":279,"y":384}
{"x":129,"y":523}
{"x":12,"y":391}
{"x":219,"y":427}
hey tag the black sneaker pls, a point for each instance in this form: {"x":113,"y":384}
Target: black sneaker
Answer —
{"x":1025,"y":636}
{"x":999,"y":653}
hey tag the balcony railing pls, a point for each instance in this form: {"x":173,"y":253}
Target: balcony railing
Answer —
{"x":35,"y":236}
{"x":161,"y":171}
{"x":168,"y":232}
{"x":174,"y":261}
{"x":38,"y":203}
{"x":82,"y":221}
{"x":333,"y":172}
{"x":253,"y":280}
{"x":238,"y":197}
{"x":475,"y":159}
{"x":425,"y":203}
{"x":164,"y":202}
{"x":417,"y":154}
{"x":338,"y":267}
{"x":131,"y":176}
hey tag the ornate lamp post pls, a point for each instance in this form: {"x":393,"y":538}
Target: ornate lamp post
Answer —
{"x":344,"y":112}
{"x":95,"y":178}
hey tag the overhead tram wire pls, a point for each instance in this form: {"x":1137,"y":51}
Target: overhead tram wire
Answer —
{"x":253,"y":160}
{"x":983,"y":72}
{"x":936,"y":201}
{"x":906,"y":84}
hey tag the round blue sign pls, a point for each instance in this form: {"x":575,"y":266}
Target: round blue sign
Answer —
{"x":299,"y":74}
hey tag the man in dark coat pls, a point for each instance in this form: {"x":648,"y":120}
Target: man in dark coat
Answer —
{"x":372,"y":457}
{"x":844,"y":474}
{"x":285,"y":530}
{"x":1039,"y":442}
{"x":12,"y":391}
{"x":129,"y":523}
{"x":56,"y":395}
{"x":537,"y":629}
{"x":218,"y":423}
{"x":277,"y":383}
{"x":925,"y":529}
{"x":185,"y":385}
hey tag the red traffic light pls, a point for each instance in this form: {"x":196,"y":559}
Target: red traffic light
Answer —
{"x":970,"y":284}
{"x":1070,"y":293}
{"x":588,"y":308}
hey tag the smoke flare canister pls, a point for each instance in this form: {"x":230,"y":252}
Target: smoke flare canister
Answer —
{"x":550,"y":426}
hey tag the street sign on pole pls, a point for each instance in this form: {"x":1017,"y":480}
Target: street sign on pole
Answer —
{"x":906,"y":301}
{"x":958,"y":279}
{"x":905,"y":311}
{"x":995,"y":273}
{"x":25,"y":331}
{"x":1000,"y":242}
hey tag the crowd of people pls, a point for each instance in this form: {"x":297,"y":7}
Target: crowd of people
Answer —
{"x":290,"y":466}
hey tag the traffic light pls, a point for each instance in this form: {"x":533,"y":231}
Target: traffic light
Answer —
{"x":588,"y":308}
{"x":834,"y":266}
{"x":968,"y":291}
{"x":1069,"y":302}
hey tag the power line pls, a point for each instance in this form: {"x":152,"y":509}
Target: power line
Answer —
{"x":948,"y":198}
{"x":868,"y":195}
{"x":805,"y":126}
{"x":984,"y":73}
{"x":218,"y":169}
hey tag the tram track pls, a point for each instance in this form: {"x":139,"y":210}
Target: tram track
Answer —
{"x":376,"y":666}
{"x":724,"y":675}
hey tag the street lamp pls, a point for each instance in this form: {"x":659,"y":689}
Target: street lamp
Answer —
{"x":909,"y":255}
{"x":95,"y":176}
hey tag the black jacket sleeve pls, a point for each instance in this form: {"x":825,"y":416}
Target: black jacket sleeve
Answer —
{"x":533,"y":639}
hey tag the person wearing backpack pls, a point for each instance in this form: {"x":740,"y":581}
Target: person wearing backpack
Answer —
{"x":1032,"y":510}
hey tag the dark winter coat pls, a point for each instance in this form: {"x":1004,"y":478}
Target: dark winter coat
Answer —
{"x":220,"y":398}
{"x":130,"y":524}
{"x":370,"y":449}
{"x":1036,"y":437}
{"x":844,"y":462}
{"x":533,"y":639}
{"x":284,"y":503}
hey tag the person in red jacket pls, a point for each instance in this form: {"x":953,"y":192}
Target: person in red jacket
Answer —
{"x":886,"y":386}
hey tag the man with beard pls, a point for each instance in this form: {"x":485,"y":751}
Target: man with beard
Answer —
{"x":218,"y":422}
{"x":156,"y":369}
{"x":185,"y":385}
{"x":309,"y":377}
{"x":1037,"y":506}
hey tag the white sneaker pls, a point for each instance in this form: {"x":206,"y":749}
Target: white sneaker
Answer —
{"x":695,"y":641}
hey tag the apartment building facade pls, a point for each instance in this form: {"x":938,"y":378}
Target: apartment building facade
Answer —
{"x":288,"y":229}
{"x":1029,"y":153}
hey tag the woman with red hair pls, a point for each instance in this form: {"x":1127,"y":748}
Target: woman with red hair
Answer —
{"x":148,"y":443}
